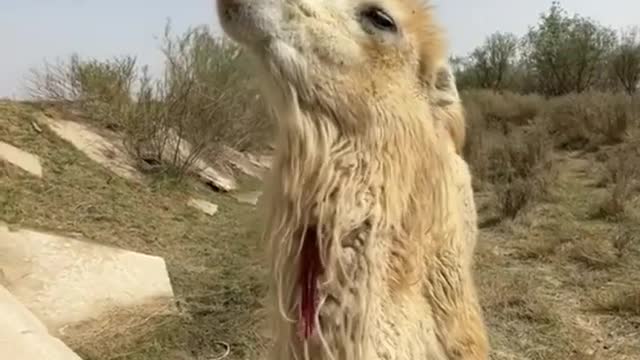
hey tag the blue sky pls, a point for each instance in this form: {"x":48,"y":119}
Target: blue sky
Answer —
{"x":34,"y":30}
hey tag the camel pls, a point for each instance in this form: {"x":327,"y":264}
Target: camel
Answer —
{"x":370,"y":225}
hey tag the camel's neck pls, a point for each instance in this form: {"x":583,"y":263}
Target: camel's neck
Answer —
{"x":341,"y":223}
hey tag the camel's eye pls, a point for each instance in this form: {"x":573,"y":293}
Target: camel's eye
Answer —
{"x":378,"y":18}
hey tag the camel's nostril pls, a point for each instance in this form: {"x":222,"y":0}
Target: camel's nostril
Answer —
{"x":236,"y":18}
{"x":231,"y":10}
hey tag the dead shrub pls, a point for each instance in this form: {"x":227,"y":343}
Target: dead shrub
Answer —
{"x":624,"y":238}
{"x":590,"y":119}
{"x":507,"y":146}
{"x":502,"y":110}
{"x":101,"y":89}
{"x":595,"y":253}
{"x":514,"y":296}
{"x":474,"y":151}
{"x":521,"y":168}
{"x":623,"y":171}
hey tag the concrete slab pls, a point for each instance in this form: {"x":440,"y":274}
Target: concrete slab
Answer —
{"x":20,"y":158}
{"x":98,"y":148}
{"x":250,"y":198}
{"x":204,"y":206}
{"x":24,"y":337}
{"x":246,"y":163}
{"x":112,"y":155}
{"x":263,"y":160}
{"x":207,"y":173}
{"x":65,"y":281}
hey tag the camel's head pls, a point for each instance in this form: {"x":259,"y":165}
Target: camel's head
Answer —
{"x":343,"y":55}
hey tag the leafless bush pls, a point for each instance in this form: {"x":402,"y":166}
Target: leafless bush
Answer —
{"x":507,"y":146}
{"x":99,"y":88}
{"x":590,"y":119}
{"x":503,"y":110}
{"x":623,"y":173}
{"x":506,"y":143}
{"x":204,"y":100}
{"x":521,"y":168}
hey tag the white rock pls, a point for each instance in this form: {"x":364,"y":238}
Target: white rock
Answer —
{"x":24,"y":337}
{"x":64,"y":281}
{"x":22,"y":159}
{"x":204,"y":206}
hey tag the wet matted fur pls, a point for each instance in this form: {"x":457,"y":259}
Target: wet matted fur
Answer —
{"x":366,"y":179}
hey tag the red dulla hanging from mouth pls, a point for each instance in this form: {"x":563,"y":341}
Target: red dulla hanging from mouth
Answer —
{"x":310,"y":270}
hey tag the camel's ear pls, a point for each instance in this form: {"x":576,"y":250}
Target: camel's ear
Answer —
{"x":446,"y":91}
{"x":447,"y":107}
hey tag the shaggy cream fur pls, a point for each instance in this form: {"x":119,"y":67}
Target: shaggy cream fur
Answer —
{"x":367,"y":172}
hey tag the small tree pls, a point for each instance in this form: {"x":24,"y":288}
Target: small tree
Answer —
{"x":625,"y":62}
{"x":567,"y":53}
{"x":491,"y":61}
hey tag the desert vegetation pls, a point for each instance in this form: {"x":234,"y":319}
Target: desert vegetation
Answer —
{"x":553,"y":123}
{"x":204,"y":96}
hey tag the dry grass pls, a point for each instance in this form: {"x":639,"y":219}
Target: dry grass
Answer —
{"x":625,"y":301}
{"x":513,"y":296}
{"x":504,"y":109}
{"x":594,"y":253}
